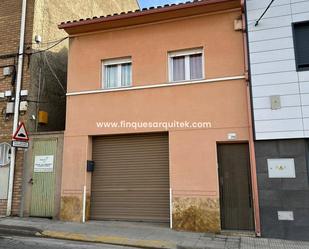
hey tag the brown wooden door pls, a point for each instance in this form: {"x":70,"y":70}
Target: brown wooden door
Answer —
{"x":235,"y":187}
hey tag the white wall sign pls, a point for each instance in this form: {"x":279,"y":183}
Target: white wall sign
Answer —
{"x":285,"y":215}
{"x":4,"y":182}
{"x":231,"y":136}
{"x":281,"y":168}
{"x":44,"y":164}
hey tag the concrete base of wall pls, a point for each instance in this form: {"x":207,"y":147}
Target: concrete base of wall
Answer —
{"x":71,"y":208}
{"x":189,"y":213}
{"x":284,"y":194}
{"x":196,"y":214}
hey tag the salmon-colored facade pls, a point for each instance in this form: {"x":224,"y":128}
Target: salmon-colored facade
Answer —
{"x":220,"y":99}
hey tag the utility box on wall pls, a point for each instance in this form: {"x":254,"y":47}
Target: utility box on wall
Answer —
{"x":90,"y":166}
{"x":281,"y":168}
{"x":43,"y":118}
{"x":9,"y":108}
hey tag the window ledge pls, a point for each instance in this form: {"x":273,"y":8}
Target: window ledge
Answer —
{"x":186,"y":81}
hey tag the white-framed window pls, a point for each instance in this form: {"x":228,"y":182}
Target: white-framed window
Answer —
{"x":117,"y":73}
{"x":186,"y":65}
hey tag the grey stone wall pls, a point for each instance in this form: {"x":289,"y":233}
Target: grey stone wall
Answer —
{"x":284,"y":194}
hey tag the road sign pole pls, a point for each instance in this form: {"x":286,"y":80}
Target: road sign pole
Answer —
{"x":17,"y":100}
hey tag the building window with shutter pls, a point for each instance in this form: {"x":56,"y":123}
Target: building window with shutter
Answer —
{"x":301,"y":45}
{"x":186,"y":65}
{"x":117,"y":73}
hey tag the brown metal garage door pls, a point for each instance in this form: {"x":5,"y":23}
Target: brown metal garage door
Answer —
{"x":131,"y":178}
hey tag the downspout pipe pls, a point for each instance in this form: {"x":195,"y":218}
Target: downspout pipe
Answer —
{"x":17,"y":102}
{"x":255,"y":192}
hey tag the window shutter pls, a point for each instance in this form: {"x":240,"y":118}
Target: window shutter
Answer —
{"x":301,"y":38}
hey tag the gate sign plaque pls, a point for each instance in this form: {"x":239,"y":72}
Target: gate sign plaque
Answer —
{"x":43,"y":164}
{"x":20,"y":144}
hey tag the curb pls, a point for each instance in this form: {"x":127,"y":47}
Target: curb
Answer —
{"x":19,"y":230}
{"x":111,"y":240}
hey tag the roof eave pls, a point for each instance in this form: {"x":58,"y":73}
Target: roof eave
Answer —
{"x":70,"y":27}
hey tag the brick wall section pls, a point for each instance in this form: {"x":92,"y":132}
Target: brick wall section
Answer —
{"x":10,"y":14}
{"x":2,"y":207}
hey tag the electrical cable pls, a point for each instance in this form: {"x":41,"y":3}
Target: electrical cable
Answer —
{"x":54,"y":74}
{"x":48,"y":42}
{"x":46,"y":49}
{"x":8,"y":56}
{"x":258,"y":20}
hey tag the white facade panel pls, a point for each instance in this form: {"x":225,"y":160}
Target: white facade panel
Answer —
{"x":273,"y":69}
{"x":299,"y":7}
{"x":267,"y":91}
{"x":269,"y":45}
{"x":279,"y":135}
{"x":306,"y":111}
{"x":306,"y":124}
{"x":276,"y":11}
{"x":280,"y":125}
{"x":267,"y":34}
{"x":296,"y":1}
{"x":286,"y":101}
{"x":283,"y":113}
{"x":304,"y":87}
{"x":272,"y":23}
{"x":301,"y":17}
{"x":262,"y":4}
{"x":305,"y":99}
{"x":274,"y":78}
{"x":275,"y":55}
{"x":303,"y":76}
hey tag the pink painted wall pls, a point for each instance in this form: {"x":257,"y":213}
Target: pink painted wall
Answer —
{"x":149,"y":46}
{"x":193,"y":153}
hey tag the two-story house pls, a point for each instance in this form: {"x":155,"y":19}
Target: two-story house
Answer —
{"x":158,"y":119}
{"x":279,"y":63}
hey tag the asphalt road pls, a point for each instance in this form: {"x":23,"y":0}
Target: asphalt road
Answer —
{"x":16,"y":242}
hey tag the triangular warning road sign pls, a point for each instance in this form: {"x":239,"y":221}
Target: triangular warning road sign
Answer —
{"x":21,"y":133}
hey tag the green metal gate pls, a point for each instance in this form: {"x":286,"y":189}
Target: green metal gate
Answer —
{"x":44,"y":178}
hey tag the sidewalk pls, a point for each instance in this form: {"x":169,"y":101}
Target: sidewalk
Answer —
{"x":141,"y":235}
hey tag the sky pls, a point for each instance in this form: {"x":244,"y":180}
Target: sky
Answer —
{"x":150,"y":3}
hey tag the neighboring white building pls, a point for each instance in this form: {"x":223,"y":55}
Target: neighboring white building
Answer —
{"x":273,"y":69}
{"x":279,"y":64}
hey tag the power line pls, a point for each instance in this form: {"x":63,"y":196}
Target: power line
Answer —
{"x":257,"y":22}
{"x":44,"y":50}
{"x":48,"y":42}
{"x":8,"y":56}
{"x":53,"y":73}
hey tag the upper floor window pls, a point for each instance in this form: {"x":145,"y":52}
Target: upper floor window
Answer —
{"x":301,"y":45}
{"x":117,"y":73}
{"x":186,"y":65}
